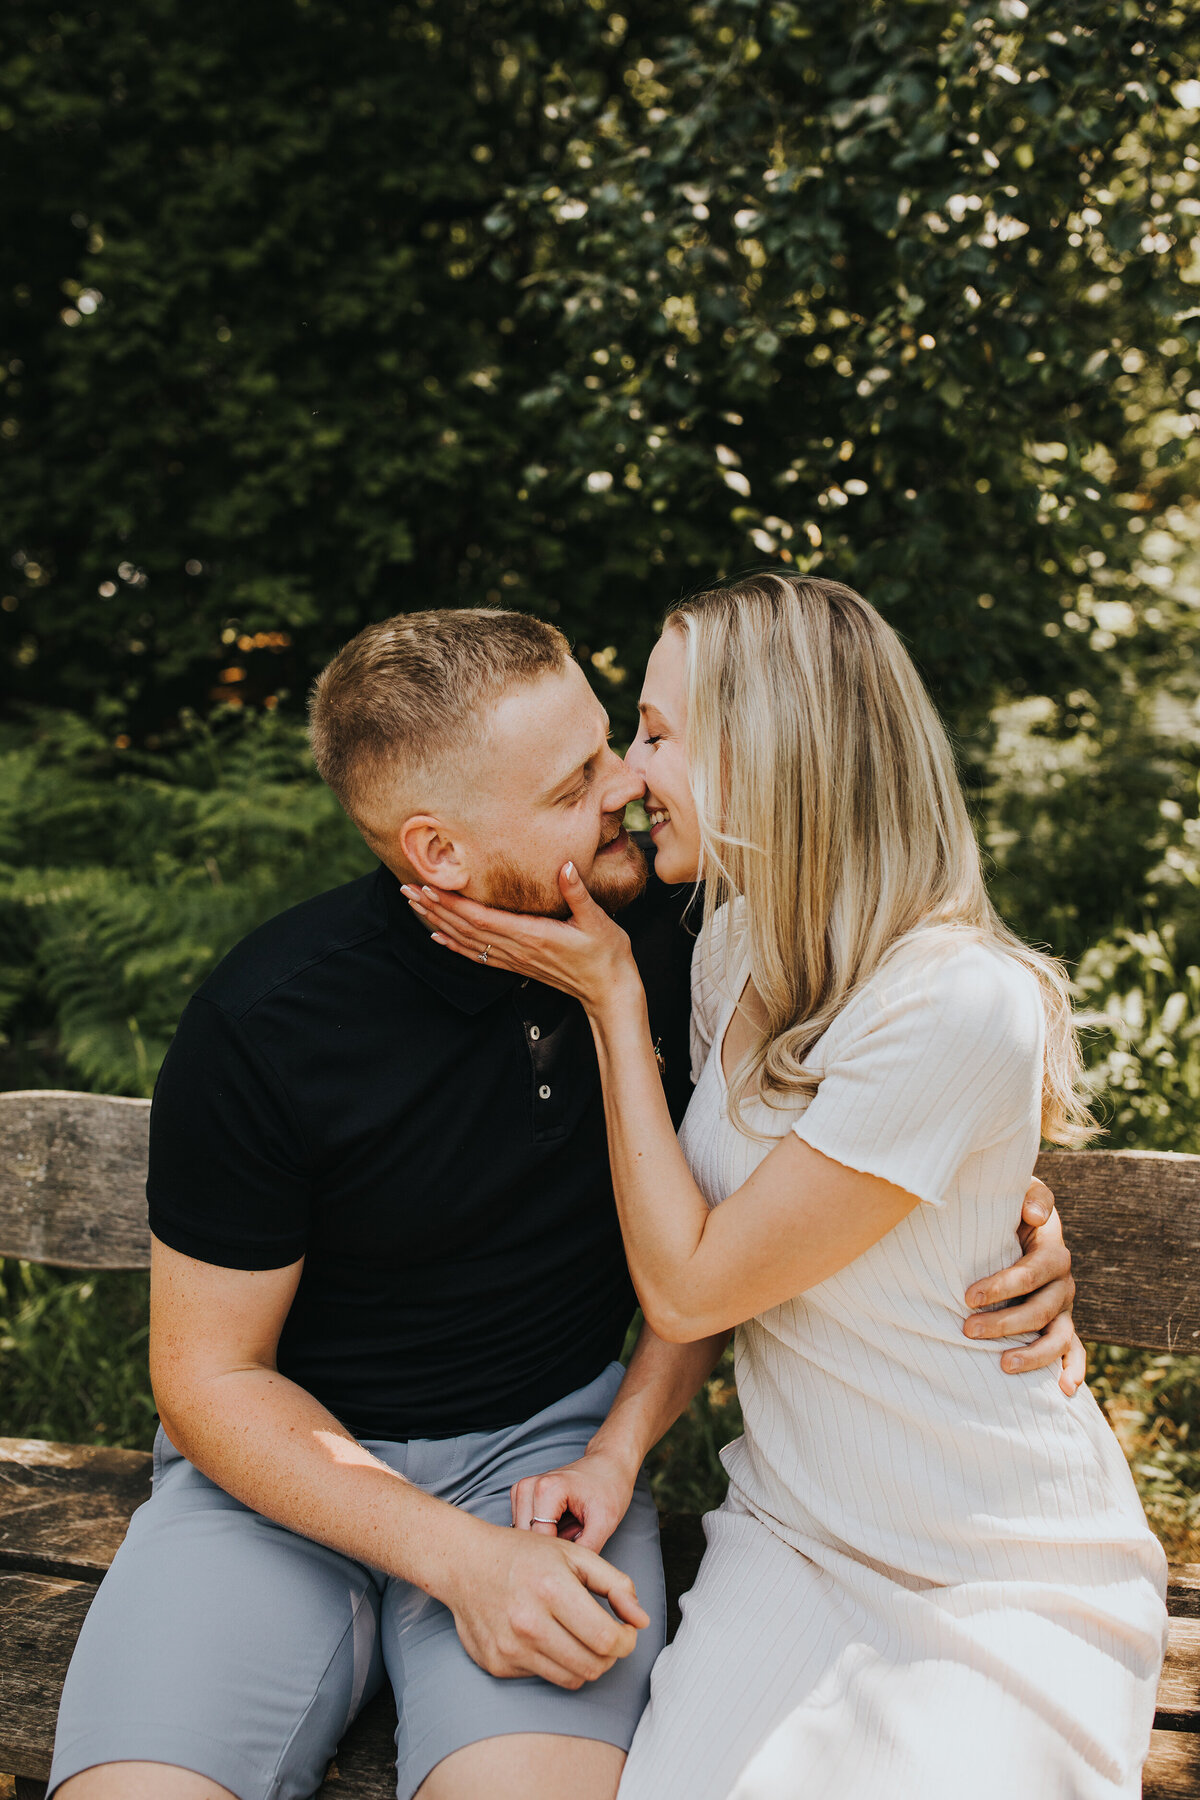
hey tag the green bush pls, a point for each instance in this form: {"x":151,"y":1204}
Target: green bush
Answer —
{"x":136,"y":873}
{"x":1144,"y":1041}
{"x":573,"y":307}
{"x":1153,"y":1404}
{"x":73,"y":1356}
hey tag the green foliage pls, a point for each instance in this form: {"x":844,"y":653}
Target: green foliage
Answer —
{"x":1090,"y":815}
{"x":73,"y":1356}
{"x":685,"y":1470}
{"x":1087,"y":807}
{"x":1145,"y":1041}
{"x":1073,"y":819}
{"x":136,"y":873}
{"x":1153,"y":1403}
{"x":573,"y":308}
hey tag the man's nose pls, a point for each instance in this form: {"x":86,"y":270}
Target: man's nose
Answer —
{"x":625,"y":783}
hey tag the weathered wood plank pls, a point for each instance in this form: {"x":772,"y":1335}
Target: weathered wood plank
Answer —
{"x":72,"y":1171}
{"x":40,"y":1616}
{"x":365,"y":1765}
{"x":1183,"y":1591}
{"x":1178,"y":1706}
{"x":72,"y":1179}
{"x":1172,"y":1770}
{"x":1132,"y":1220}
{"x":64,"y":1508}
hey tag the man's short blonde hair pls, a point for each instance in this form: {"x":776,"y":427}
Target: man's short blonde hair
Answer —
{"x":409,"y":693}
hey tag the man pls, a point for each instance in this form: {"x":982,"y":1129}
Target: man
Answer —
{"x":388,"y":1291}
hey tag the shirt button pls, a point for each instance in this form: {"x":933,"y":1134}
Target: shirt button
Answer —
{"x":543,"y":1092}
{"x":535,"y":1032}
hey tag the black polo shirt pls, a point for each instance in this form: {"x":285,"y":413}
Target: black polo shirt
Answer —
{"x":428,"y":1134}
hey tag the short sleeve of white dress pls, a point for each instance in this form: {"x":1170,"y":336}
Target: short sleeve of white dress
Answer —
{"x":937,"y":1058}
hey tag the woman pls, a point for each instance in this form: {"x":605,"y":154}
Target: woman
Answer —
{"x":926,"y":1576}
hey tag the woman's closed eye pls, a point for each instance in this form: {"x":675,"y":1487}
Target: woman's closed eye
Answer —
{"x":650,"y":741}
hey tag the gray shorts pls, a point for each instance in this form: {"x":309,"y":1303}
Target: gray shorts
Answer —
{"x":223,"y":1643}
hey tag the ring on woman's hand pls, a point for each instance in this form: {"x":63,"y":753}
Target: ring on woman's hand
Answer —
{"x":536,"y":1521}
{"x":484,"y":953}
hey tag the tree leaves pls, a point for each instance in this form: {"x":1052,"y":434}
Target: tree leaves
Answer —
{"x":366,"y":318}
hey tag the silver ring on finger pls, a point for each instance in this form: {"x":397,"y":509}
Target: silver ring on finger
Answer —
{"x":536,"y":1521}
{"x":485,"y":953}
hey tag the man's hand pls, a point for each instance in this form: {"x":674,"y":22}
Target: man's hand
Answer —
{"x":583,"y":1502}
{"x":523,"y":1605}
{"x":1044,"y":1274}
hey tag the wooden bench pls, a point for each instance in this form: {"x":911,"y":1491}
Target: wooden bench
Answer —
{"x":71,"y":1194}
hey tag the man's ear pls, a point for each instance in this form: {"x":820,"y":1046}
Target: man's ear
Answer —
{"x":434,"y":852}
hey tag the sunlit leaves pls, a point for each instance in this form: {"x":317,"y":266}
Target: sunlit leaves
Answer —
{"x":373,"y":321}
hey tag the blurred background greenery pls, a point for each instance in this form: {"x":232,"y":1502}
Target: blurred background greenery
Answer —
{"x":311,"y":315}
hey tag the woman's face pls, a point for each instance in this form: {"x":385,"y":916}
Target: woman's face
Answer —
{"x":658,"y":756}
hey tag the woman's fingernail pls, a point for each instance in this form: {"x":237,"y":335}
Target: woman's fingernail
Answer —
{"x":569,"y":871}
{"x":430,"y":892}
{"x":417,"y":908}
{"x":437,"y":938}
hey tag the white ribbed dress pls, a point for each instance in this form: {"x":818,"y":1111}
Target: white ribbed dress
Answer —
{"x":929,"y":1578}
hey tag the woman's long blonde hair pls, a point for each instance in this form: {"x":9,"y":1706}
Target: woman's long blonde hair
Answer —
{"x":828,"y":799}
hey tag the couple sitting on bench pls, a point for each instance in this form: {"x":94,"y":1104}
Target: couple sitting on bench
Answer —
{"x":413,"y":1139}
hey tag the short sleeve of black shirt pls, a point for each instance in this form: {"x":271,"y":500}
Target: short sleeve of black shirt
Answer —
{"x":228,"y":1179}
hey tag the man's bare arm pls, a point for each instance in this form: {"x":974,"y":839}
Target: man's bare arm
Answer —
{"x":521,"y":1603}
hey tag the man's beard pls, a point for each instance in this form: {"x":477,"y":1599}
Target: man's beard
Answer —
{"x":613,"y":882}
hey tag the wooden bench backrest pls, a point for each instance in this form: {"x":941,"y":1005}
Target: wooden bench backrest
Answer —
{"x":73,"y":1179}
{"x":72,"y":1192}
{"x":1132,"y":1220}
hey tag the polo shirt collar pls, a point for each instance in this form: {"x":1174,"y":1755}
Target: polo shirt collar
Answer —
{"x":469,"y":986}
